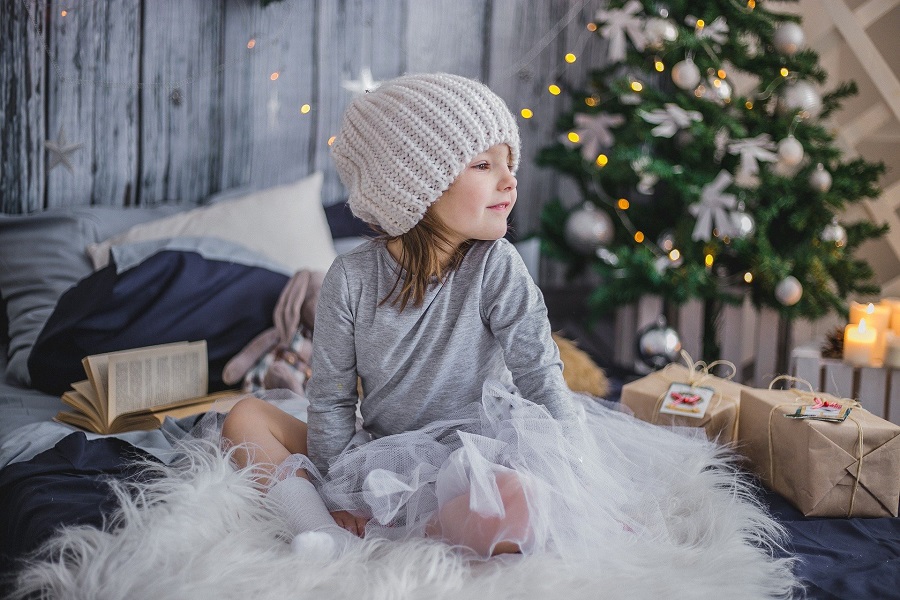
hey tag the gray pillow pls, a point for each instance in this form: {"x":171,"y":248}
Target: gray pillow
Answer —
{"x":42,"y":255}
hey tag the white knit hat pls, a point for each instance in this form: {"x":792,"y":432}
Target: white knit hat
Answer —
{"x":403,"y":144}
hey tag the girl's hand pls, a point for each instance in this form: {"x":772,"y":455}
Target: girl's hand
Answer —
{"x":352,"y":523}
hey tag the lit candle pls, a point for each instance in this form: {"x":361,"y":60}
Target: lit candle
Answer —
{"x":894,"y":304}
{"x":878,"y":317}
{"x":859,"y":343}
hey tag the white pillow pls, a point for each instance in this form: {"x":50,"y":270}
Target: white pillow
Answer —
{"x":285,"y":223}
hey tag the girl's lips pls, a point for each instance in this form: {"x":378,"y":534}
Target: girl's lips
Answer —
{"x":501,"y":206}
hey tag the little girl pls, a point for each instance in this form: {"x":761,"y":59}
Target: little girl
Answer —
{"x":468,"y":432}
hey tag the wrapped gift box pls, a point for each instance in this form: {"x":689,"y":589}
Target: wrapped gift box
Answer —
{"x":645,"y":397}
{"x":825,"y":469}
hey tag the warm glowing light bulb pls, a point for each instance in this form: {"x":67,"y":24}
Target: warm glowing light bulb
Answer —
{"x":639,"y":236}
{"x":748,"y":277}
{"x":721,"y":73}
{"x":592,"y":27}
{"x":701,"y":23}
{"x":251,"y":43}
{"x":751,"y":4}
{"x":674,"y":255}
{"x":659,"y":66}
{"x":570,"y":58}
{"x":623,"y":203}
{"x":305,"y":108}
{"x":637,"y":86}
{"x":590,"y":101}
{"x":554,"y":89}
{"x":784,"y":72}
{"x":749,"y":105}
{"x":331,"y":140}
{"x":526,"y":113}
{"x":708,"y":260}
{"x":63,"y":13}
{"x":602,"y":159}
{"x":274,"y":76}
{"x":574,"y":137}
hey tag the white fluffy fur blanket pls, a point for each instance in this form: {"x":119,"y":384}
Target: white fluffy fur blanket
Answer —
{"x":202,"y":531}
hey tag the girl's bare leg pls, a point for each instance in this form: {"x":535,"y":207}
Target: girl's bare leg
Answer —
{"x":265,"y":436}
{"x":458,"y":524}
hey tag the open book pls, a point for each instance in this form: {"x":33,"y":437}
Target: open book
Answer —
{"x":138,"y":389}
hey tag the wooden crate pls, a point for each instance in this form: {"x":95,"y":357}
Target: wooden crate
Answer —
{"x":877,"y":389}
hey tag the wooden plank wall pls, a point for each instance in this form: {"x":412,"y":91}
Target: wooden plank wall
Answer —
{"x":175,"y":100}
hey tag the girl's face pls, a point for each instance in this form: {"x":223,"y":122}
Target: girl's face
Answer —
{"x":477,"y":203}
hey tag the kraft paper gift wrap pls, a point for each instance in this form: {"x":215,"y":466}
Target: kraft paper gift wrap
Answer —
{"x":645,"y":396}
{"x":824,"y":469}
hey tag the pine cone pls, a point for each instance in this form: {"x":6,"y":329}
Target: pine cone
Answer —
{"x":833,"y":346}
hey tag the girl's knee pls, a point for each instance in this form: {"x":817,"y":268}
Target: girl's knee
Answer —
{"x":241,"y":418}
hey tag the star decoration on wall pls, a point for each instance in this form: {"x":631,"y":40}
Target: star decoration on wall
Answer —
{"x":364,"y":84}
{"x":60,"y":151}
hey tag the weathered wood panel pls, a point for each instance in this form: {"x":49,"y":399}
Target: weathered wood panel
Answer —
{"x":92,"y":96}
{"x":352,"y":35}
{"x":447,"y":35}
{"x":517,"y":59}
{"x":266,"y":139}
{"x":181,"y":108}
{"x":22,"y":126}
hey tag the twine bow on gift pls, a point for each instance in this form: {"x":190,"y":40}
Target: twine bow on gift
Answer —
{"x":814,"y":399}
{"x":698,"y":373}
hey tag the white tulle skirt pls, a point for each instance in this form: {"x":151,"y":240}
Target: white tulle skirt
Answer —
{"x":505,"y":471}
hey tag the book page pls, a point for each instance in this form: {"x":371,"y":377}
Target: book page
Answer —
{"x":147,"y":377}
{"x":96,"y":368}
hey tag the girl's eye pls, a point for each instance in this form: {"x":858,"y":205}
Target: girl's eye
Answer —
{"x":482,"y":166}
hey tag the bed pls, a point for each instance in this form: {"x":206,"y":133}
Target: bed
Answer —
{"x":155,"y":275}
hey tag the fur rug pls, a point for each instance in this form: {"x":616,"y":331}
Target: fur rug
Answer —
{"x":202,"y":530}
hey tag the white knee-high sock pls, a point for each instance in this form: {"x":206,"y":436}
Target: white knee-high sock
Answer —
{"x":315,"y":531}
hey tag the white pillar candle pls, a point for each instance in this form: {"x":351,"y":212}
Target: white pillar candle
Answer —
{"x":859,"y":344}
{"x":878,"y":316}
{"x":894,"y":304}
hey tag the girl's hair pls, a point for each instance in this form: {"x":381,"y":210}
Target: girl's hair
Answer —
{"x":420,"y":260}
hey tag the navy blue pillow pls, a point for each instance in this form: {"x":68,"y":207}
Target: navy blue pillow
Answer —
{"x":174,"y":295}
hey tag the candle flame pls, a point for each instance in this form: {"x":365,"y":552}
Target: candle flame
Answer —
{"x":862,"y":326}
{"x":870,"y":308}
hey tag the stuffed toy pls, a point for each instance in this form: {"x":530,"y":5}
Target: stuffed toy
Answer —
{"x":278,"y":358}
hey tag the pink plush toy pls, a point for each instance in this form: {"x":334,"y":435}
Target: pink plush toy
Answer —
{"x":279,"y":357}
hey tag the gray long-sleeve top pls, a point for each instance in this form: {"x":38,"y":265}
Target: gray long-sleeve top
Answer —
{"x":487,"y":320}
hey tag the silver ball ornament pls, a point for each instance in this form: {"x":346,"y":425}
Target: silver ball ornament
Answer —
{"x":657,"y":345}
{"x":802,"y":96}
{"x":788,"y":38}
{"x":685,"y":74}
{"x":834,"y":233}
{"x":588,"y":228}
{"x":789,"y":291}
{"x":659,"y":31}
{"x":820,"y":179}
{"x":790,"y":151}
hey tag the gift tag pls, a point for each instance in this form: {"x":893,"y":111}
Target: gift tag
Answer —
{"x":822,"y":410}
{"x":688,"y":401}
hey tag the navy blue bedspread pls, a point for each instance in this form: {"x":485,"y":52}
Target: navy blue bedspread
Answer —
{"x":847,"y":559}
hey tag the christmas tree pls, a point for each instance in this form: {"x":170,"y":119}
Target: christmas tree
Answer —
{"x":706,"y":166}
